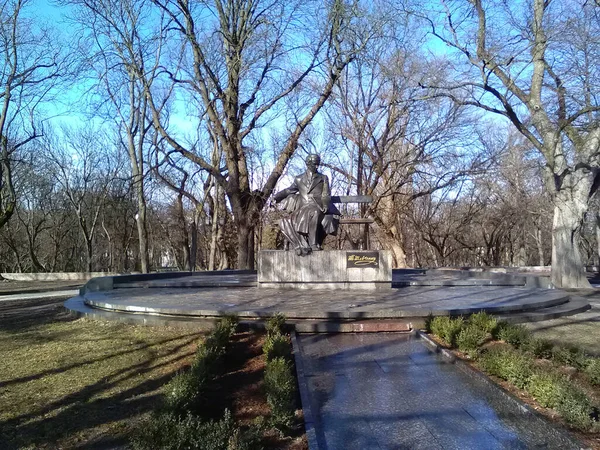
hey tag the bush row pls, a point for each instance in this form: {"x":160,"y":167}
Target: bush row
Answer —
{"x":280,"y":383}
{"x":515,"y":361}
{"x":179,"y":424}
{"x":546,"y":384}
{"x":469,"y":335}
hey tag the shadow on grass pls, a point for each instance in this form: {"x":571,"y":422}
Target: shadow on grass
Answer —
{"x":81,"y":411}
{"x":23,"y":316}
{"x":88,"y":417}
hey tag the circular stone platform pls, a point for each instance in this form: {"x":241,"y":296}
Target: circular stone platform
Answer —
{"x":253,"y":302}
{"x":186,"y":297}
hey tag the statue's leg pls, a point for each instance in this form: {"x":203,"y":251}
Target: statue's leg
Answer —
{"x":290,"y":233}
{"x":314,"y":238}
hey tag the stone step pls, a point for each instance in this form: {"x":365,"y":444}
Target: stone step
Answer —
{"x":459,"y":282}
{"x":574,"y":306}
{"x":187,"y":284}
{"x":364,"y":326}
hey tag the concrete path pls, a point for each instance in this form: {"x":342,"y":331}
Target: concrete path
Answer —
{"x":39,"y":295}
{"x":388,"y":391}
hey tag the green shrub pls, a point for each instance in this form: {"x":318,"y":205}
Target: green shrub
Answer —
{"x":540,"y":348}
{"x":570,"y":356}
{"x":275,"y":324}
{"x":515,"y":335}
{"x":168,"y":431}
{"x":439,"y":324}
{"x":277,"y":346}
{"x":592,"y":371}
{"x":280,"y":386}
{"x":182,"y":392}
{"x":229,"y":323}
{"x":447,"y":328}
{"x":575,"y":407}
{"x":470,"y":338}
{"x":483,"y":321}
{"x":428,"y":322}
{"x":508,"y":364}
{"x":546,"y":387}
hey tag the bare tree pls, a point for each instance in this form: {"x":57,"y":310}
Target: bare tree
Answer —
{"x":535,"y":63}
{"x":122,"y":41}
{"x":400,"y":146}
{"x":249,"y":66}
{"x":32,"y":61}
{"x":84,"y":167}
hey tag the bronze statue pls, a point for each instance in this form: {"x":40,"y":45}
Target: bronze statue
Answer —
{"x":312,"y":215}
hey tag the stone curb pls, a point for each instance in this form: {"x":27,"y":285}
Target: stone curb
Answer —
{"x":472,"y":373}
{"x":309,"y":417}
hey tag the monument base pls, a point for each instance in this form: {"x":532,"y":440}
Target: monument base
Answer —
{"x":328,"y":269}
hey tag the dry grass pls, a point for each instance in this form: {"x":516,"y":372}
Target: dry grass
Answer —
{"x":83,"y":384}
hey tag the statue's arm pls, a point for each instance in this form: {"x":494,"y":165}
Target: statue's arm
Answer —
{"x":326,"y":195}
{"x":293,"y":189}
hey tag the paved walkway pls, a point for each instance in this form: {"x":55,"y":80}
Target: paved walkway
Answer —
{"x":39,"y":295}
{"x":388,"y":391}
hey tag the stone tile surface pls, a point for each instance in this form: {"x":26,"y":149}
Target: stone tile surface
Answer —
{"x":318,"y":304}
{"x":387,"y":391}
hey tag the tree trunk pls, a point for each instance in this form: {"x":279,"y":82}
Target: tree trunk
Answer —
{"x":570,"y":206}
{"x":245,"y":245}
{"x":142,"y":230}
{"x":214,"y":231}
{"x":398,"y":254}
{"x":540,"y":246}
{"x":89,"y":248}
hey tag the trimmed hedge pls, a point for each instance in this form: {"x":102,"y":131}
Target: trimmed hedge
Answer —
{"x":277,"y":346}
{"x":179,"y":425}
{"x":507,"y":363}
{"x":470,"y":338}
{"x":447,"y":328}
{"x":546,"y":387}
{"x":540,"y":348}
{"x":168,"y":431}
{"x":515,"y":335}
{"x":570,"y":356}
{"x":514,"y":362}
{"x":275,"y":324}
{"x":592,"y":371}
{"x":483,"y":321}
{"x":280,"y":386}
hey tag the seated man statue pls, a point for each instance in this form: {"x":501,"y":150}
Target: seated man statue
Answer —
{"x":312,"y":215}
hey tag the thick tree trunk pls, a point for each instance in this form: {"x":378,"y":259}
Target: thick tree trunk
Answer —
{"x":142,"y":230}
{"x":245,"y":245}
{"x":570,"y":206}
{"x":399,"y":255}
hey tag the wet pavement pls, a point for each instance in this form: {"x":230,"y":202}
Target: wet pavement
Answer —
{"x":388,"y":391}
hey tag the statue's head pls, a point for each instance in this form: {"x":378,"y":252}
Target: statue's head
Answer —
{"x":312,"y":162}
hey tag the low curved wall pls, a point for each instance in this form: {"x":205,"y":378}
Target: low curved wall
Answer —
{"x":107,"y":282}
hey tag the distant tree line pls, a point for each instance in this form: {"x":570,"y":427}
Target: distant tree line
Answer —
{"x":153,"y":133}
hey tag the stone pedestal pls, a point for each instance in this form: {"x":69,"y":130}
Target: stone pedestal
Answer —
{"x":328,"y":269}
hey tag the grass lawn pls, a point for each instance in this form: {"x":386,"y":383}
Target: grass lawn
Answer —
{"x":83,"y":384}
